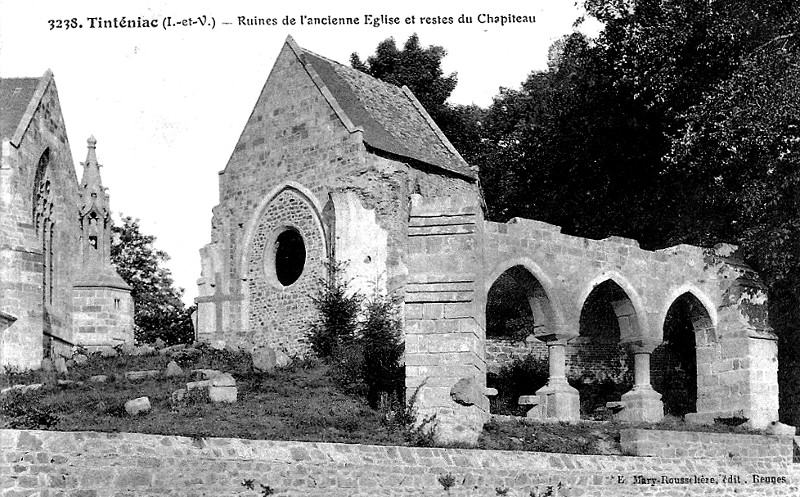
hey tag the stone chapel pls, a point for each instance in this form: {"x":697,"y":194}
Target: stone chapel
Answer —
{"x":334,"y":165}
{"x":58,"y":288}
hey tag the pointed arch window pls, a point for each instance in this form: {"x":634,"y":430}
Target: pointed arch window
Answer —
{"x":44,"y":222}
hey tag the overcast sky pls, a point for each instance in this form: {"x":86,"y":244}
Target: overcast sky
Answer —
{"x":167,"y":105}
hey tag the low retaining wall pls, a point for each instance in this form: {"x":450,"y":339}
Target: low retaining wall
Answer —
{"x":752,"y":449}
{"x":89,"y":464}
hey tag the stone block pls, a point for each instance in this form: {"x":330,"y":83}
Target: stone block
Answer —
{"x":135,"y":407}
{"x":99,"y":378}
{"x":264,"y":359}
{"x":222,"y":380}
{"x":60,"y":365}
{"x":194,"y":385}
{"x":141,"y":375}
{"x":225,"y":394}
{"x":173,"y":370}
{"x":79,"y":359}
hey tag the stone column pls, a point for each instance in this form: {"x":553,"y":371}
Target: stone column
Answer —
{"x":556,"y":401}
{"x":642,"y":403}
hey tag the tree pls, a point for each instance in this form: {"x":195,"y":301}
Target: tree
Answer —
{"x":158,"y":309}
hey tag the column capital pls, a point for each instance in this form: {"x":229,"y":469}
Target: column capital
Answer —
{"x":643,"y":345}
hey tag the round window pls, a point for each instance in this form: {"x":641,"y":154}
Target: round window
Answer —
{"x":290,"y":257}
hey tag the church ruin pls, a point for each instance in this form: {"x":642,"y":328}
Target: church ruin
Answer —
{"x":334,"y":165}
{"x":58,"y":288}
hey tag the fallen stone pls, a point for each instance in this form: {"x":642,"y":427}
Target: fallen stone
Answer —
{"x":218,"y":344}
{"x":172,"y":349}
{"x":79,"y":359}
{"x":70,"y":364}
{"x":173,"y":370}
{"x":127,"y":348}
{"x":779,"y":429}
{"x":141,"y":375}
{"x":282,"y":359}
{"x":47,"y":365}
{"x":222,"y":380}
{"x":99,"y":378}
{"x":137,"y":406}
{"x":60,"y":365}
{"x":107,"y":351}
{"x":226,"y":394}
{"x":264,"y":359}
{"x":143,"y":350}
{"x":159,"y":343}
{"x":206,"y":374}
{"x":194,"y":385}
{"x":466,"y":392}
{"x":21,"y":388}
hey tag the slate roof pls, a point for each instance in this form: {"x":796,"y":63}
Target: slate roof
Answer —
{"x":15,"y":95}
{"x":391,"y":117}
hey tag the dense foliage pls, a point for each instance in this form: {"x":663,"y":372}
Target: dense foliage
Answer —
{"x":158,"y":309}
{"x":360,"y":339}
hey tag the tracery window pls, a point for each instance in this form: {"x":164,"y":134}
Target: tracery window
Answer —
{"x":44,"y":222}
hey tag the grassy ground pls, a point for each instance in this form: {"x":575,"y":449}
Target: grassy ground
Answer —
{"x":299,"y":402}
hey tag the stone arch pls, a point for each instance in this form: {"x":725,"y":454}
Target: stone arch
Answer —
{"x":275,"y":311}
{"x":689,"y":333}
{"x":600,"y":360}
{"x":548,"y":309}
{"x":519,"y":306}
{"x":636,"y":307}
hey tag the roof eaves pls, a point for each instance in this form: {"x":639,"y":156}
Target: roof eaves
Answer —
{"x":44,"y":82}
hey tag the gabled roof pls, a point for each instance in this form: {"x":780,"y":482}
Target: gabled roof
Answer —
{"x":391,"y":118}
{"x":19,"y":98}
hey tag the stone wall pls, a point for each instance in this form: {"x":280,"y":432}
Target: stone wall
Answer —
{"x":299,"y":141}
{"x":750,"y":449}
{"x":123,"y":464}
{"x":43,"y":140}
{"x":585,"y":357}
{"x":736,"y":351}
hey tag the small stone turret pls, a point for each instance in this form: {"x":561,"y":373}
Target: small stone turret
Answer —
{"x":94,"y":214}
{"x":103,"y":309}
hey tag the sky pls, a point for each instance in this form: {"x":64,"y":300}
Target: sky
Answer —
{"x":167,"y":105}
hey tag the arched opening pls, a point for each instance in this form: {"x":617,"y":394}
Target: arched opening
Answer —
{"x":290,"y":256}
{"x":599,"y":365}
{"x":517,"y":307}
{"x":674,"y":362}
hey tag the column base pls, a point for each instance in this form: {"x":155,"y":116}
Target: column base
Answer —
{"x":641,"y":405}
{"x":557,"y":401}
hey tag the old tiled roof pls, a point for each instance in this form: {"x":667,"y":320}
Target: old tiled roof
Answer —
{"x":15,"y":95}
{"x":392,"y":119}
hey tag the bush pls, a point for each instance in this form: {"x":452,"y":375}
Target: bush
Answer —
{"x":23,"y":411}
{"x":520,"y":377}
{"x":382,"y":349}
{"x":338,"y":315}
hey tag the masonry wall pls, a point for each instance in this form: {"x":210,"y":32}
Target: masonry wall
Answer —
{"x":295,"y":142}
{"x":102,"y":316}
{"x":121,"y":464}
{"x":21,"y":255}
{"x":737,"y":370}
